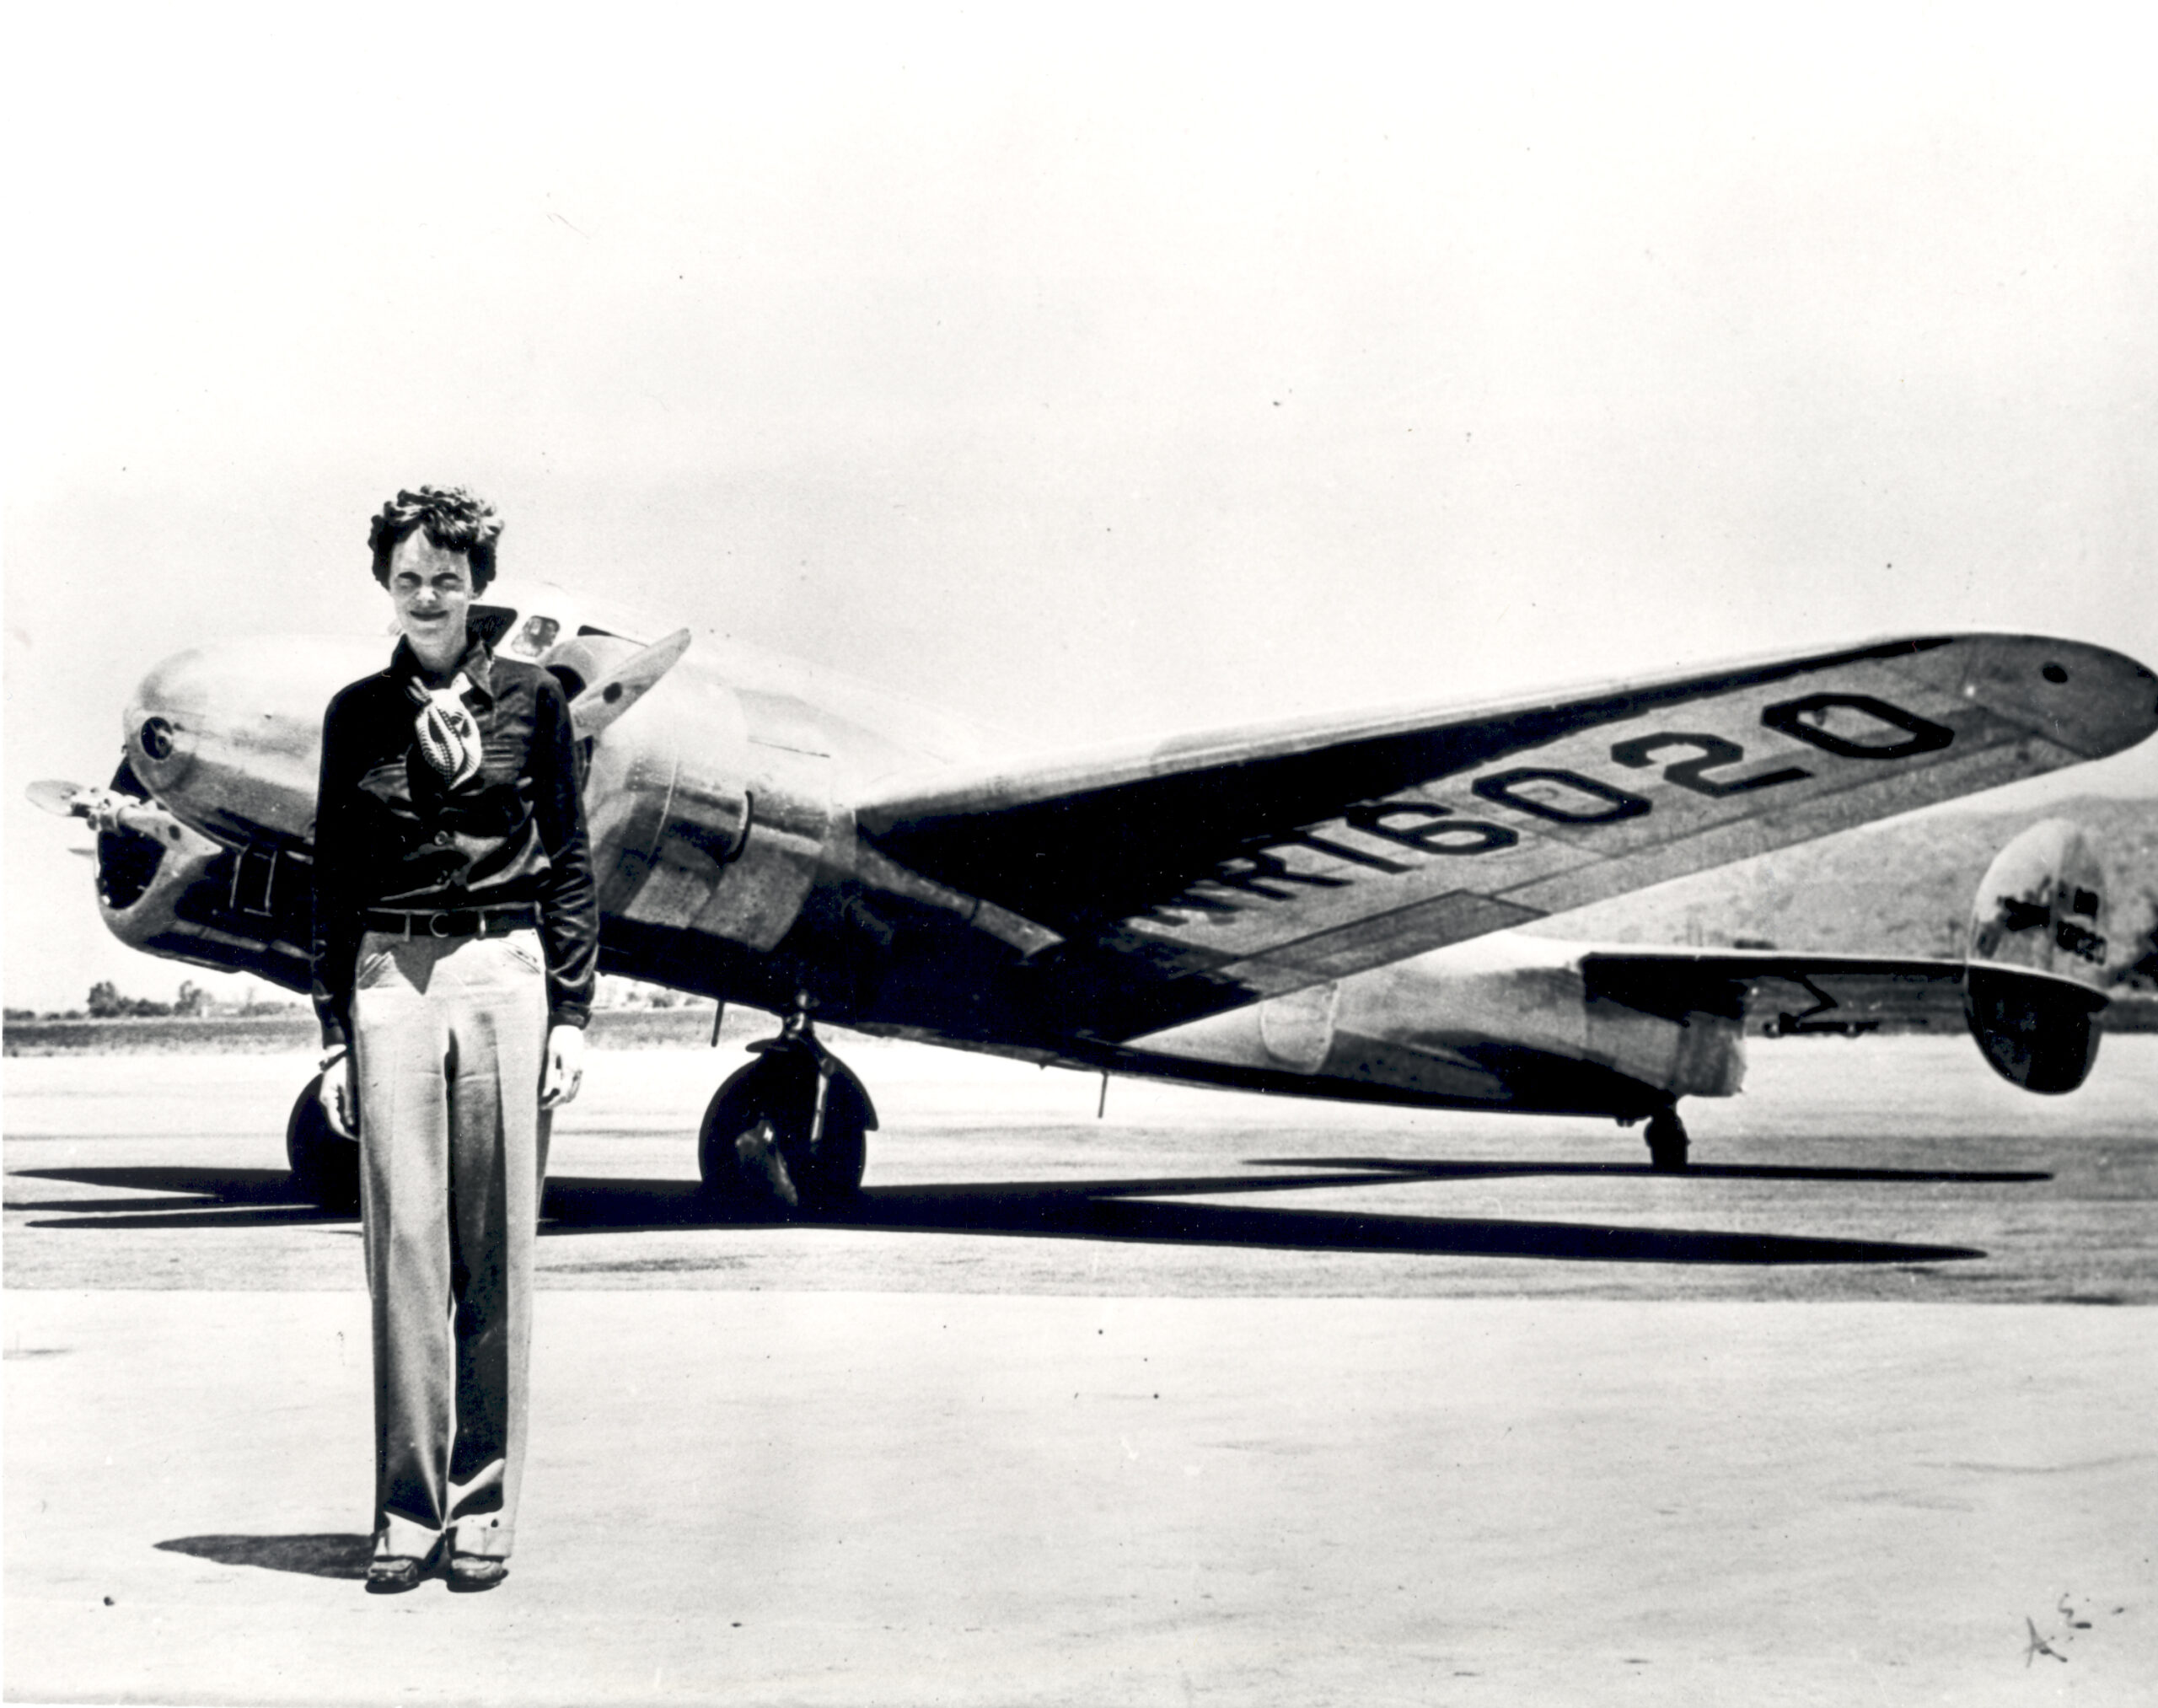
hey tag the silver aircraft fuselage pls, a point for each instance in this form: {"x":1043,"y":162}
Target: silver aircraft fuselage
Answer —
{"x":721,"y":806}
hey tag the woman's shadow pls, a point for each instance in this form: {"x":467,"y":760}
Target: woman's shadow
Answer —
{"x":315,"y":1556}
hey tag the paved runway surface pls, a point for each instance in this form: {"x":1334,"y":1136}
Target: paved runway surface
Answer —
{"x":1220,"y":1399}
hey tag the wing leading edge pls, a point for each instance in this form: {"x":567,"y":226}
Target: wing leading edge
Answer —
{"x":1222,"y":869}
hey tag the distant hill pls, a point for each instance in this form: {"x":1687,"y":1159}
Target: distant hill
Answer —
{"x":1902,"y":887}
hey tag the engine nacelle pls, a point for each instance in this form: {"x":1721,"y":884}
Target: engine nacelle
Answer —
{"x":710,"y":808}
{"x":168,"y":891}
{"x":2031,"y":994}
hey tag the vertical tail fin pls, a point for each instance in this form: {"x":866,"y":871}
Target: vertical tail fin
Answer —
{"x":2041,"y":908}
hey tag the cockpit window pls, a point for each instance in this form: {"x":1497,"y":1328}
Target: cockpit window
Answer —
{"x":490,"y":623}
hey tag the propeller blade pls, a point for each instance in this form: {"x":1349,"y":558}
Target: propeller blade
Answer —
{"x":63,"y":800}
{"x":616,"y":692}
{"x":104,"y":809}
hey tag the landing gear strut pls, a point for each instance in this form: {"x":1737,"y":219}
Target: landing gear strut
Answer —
{"x":1667,"y":1138}
{"x":786,"y":1132}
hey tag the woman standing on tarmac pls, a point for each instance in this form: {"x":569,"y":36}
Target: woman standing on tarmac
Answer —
{"x":456,"y":944}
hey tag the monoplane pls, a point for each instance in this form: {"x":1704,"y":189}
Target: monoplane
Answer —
{"x":1326,"y":907}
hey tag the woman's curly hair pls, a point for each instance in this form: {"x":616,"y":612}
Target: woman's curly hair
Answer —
{"x":455,"y":520}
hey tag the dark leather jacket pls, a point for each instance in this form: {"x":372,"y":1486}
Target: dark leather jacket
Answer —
{"x":390,"y":833}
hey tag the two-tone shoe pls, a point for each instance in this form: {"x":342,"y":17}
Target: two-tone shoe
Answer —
{"x":468,"y":1574}
{"x":392,"y":1574}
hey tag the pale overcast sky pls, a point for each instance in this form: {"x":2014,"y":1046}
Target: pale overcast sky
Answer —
{"x":1158,"y":370}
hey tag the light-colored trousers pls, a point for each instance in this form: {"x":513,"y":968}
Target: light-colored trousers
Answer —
{"x":449,"y":1036}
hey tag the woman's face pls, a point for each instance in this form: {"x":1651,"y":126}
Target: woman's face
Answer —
{"x":432,"y":591}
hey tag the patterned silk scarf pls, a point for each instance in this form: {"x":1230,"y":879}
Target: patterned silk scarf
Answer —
{"x":449,"y":736}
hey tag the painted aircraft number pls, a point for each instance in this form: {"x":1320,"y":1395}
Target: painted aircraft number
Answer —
{"x":1849,"y":725}
{"x":1713,"y":751}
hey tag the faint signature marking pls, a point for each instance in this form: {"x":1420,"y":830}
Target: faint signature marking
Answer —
{"x":2044,"y":1643}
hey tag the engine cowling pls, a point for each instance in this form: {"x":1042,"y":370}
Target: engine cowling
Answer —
{"x":2032,"y":984}
{"x":168,"y":891}
{"x":710,"y":808}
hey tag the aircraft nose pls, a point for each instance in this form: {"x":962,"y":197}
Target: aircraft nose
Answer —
{"x":229,"y":736}
{"x":164,"y":720}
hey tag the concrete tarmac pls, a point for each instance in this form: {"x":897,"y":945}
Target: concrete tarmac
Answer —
{"x":1218,"y":1399}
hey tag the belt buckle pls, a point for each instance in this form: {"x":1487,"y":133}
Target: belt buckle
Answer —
{"x":434,"y":924}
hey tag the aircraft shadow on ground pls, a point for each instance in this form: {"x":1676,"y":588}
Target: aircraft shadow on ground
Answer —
{"x":1147,"y":1210}
{"x":331,"y":1555}
{"x":199,"y":1198}
{"x":1405,"y":1167}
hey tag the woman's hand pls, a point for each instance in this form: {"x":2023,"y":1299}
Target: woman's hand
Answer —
{"x":565,"y":1067}
{"x":341,"y":1092}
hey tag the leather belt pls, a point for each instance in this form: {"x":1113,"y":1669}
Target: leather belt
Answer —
{"x":453,"y":921}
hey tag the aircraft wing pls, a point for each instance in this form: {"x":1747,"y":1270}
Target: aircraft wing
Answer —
{"x":1249,"y":863}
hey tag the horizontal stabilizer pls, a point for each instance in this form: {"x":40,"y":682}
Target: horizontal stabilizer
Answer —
{"x":1806,"y":992}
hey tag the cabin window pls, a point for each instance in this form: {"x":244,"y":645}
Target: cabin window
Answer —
{"x":537,"y":635}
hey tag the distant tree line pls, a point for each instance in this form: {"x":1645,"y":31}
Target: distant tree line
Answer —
{"x":106,"y":1002}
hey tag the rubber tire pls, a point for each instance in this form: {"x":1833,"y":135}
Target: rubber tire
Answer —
{"x":781,"y":1088}
{"x":325,"y":1164}
{"x":1667,"y":1141}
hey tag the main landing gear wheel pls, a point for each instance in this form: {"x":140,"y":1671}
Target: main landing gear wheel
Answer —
{"x":762,"y":1145}
{"x":325,"y":1164}
{"x":1666,"y":1137}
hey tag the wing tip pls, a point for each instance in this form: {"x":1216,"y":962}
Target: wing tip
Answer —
{"x":2086,"y":697}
